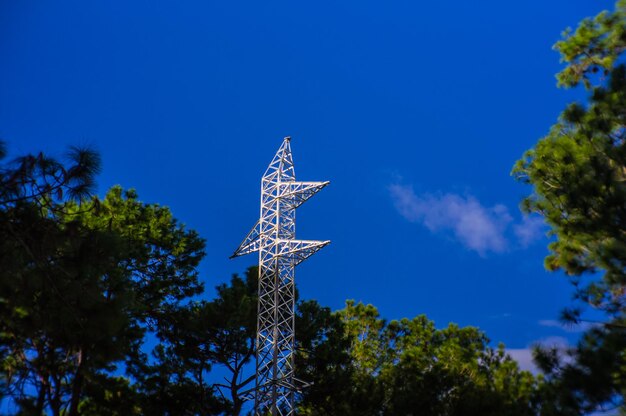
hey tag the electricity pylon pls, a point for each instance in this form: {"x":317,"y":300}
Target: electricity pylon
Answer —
{"x":273,"y":236}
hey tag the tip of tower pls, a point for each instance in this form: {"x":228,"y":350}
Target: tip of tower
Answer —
{"x":288,"y":138}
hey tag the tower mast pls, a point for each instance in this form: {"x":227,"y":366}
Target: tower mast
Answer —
{"x":274,"y":238}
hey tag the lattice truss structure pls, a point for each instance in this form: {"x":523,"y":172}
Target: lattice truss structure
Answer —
{"x":273,"y":237}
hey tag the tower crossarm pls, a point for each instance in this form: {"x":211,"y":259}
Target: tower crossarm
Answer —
{"x":251,"y":243}
{"x":298,"y":192}
{"x":300,"y":250}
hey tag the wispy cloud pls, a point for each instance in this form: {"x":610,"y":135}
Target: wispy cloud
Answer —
{"x":479,"y":228}
{"x":530,"y":229}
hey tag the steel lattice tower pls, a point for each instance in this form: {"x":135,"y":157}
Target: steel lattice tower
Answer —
{"x":273,"y":236}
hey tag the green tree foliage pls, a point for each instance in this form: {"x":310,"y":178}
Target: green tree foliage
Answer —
{"x":197,"y":337}
{"x":42,"y":179}
{"x":409,"y":367}
{"x":578,"y":171}
{"x":81,"y":283}
{"x":578,"y":174}
{"x":323,"y":361}
{"x":232,"y":332}
{"x":593,"y":49}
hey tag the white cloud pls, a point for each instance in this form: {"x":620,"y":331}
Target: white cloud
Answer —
{"x":529,"y":230}
{"x":524,"y":358}
{"x":479,"y":228}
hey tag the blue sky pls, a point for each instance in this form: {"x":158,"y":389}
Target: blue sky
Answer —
{"x":415,"y":111}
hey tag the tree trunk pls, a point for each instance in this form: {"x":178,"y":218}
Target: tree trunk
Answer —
{"x":77,"y":386}
{"x":41,"y":396}
{"x":55,"y":398}
{"x":234,"y":392}
{"x":237,"y":404}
